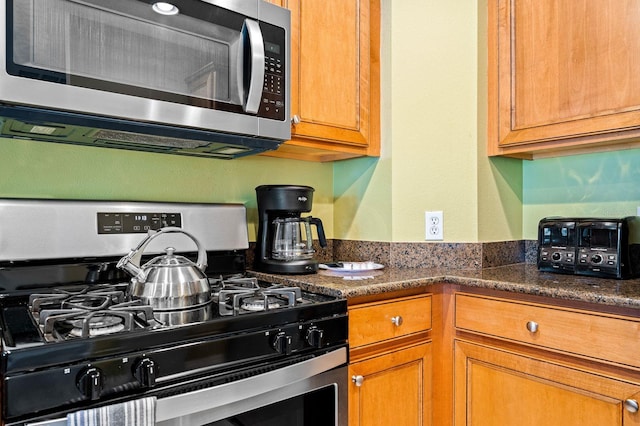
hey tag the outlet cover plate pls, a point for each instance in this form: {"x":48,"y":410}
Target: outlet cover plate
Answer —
{"x":434,"y":225}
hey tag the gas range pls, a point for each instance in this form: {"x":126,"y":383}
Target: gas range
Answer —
{"x":85,"y":311}
{"x":68,"y":322}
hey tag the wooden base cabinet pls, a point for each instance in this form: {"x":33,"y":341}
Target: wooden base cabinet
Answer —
{"x":497,"y":387}
{"x":390,"y":368}
{"x":392,"y":389}
{"x":471,"y":357}
{"x":527,"y":363}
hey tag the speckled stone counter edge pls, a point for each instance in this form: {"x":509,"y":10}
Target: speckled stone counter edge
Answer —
{"x":520,"y":278}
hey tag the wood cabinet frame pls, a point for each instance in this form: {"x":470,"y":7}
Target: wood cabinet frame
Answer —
{"x":319,"y":135}
{"x":537,"y":51}
{"x":608,"y":379}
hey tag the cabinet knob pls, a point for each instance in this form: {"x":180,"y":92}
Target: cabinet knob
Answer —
{"x":397,"y":321}
{"x":631,"y":405}
{"x":357,"y":380}
{"x":532,"y":326}
{"x":295,"y":120}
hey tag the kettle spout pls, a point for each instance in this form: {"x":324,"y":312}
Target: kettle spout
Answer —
{"x":132,"y":267}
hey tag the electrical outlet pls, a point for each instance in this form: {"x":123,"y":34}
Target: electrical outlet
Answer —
{"x":434,"y":225}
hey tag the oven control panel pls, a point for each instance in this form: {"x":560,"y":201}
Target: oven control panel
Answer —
{"x":136,"y":223}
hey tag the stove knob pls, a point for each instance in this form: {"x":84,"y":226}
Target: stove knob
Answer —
{"x":145,"y":372}
{"x":315,"y":337}
{"x":90,"y":381}
{"x":282,"y":343}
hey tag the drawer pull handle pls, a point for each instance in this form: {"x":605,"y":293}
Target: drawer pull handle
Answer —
{"x":397,"y":321}
{"x":357,"y":380}
{"x":532,"y":326}
{"x":631,"y":405}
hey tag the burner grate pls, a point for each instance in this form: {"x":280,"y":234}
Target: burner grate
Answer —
{"x":87,"y":311}
{"x":96,"y":297}
{"x":245,"y":295}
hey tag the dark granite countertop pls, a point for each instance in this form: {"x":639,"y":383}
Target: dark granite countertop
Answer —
{"x":520,"y":278}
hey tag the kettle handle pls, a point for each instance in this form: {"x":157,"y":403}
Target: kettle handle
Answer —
{"x":318,"y":223}
{"x":131,"y":262}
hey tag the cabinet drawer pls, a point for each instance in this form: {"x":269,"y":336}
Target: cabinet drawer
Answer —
{"x":601,"y":336}
{"x":376,"y":322}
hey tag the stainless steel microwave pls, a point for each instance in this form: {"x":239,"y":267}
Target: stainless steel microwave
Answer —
{"x":208,"y":78}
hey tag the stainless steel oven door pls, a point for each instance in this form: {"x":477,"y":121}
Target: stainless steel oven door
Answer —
{"x":295,"y":396}
{"x":309,"y":393}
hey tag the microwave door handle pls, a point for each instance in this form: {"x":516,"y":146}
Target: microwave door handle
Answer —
{"x":256,"y":57}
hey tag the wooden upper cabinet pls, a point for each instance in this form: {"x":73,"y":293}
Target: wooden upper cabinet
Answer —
{"x":563,"y":76}
{"x":335,"y":79}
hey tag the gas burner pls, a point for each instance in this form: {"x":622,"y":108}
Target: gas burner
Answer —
{"x":255,"y":304}
{"x":96,"y":325}
{"x":246,"y":295}
{"x":87,"y":311}
{"x":74,"y":323}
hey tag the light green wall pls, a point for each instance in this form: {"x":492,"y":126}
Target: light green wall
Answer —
{"x":499,"y":179}
{"x":433,"y":120}
{"x":433,"y":107}
{"x":433,"y":154}
{"x":433,"y":135}
{"x":45,"y":170}
{"x":363,"y":187}
{"x":603,"y":184}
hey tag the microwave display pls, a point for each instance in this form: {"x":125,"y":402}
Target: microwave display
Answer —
{"x":272,"y":47}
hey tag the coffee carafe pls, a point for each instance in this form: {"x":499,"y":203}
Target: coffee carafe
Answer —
{"x":284,"y":241}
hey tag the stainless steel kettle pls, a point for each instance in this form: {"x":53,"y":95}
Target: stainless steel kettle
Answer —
{"x":169,"y":281}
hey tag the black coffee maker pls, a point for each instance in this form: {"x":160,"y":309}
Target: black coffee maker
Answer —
{"x":284,"y":241}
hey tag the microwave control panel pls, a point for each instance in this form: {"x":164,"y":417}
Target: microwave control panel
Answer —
{"x":272,"y":104}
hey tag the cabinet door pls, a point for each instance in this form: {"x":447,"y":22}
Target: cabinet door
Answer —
{"x":495,"y":387}
{"x":562,"y":75}
{"x":392,"y":389}
{"x":334,"y":79}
